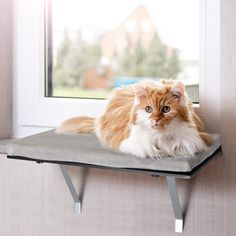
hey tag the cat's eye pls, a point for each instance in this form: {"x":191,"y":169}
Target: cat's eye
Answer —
{"x":165,"y":109}
{"x":148,"y":109}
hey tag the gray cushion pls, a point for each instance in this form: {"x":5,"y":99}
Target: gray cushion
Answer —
{"x":85,"y":148}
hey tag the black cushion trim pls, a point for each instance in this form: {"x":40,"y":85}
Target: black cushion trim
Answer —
{"x":152,"y":172}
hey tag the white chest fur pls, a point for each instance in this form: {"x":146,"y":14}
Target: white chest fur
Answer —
{"x":140,"y":142}
{"x":178,"y":139}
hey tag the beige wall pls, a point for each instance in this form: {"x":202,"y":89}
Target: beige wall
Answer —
{"x":5,"y":68}
{"x":34,"y":199}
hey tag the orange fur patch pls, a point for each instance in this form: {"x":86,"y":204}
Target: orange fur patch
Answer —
{"x":116,"y":121}
{"x":81,"y":125}
{"x":157,"y":98}
{"x":206,"y":138}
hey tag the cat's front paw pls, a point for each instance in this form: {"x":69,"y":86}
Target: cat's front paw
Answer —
{"x":157,"y":153}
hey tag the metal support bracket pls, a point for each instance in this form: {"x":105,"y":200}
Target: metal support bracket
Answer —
{"x":179,"y":221}
{"x":171,"y":186}
{"x":77,"y":203}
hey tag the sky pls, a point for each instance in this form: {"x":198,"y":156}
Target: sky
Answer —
{"x":176,"y":21}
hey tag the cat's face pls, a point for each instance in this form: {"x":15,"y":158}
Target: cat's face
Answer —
{"x":158,"y":106}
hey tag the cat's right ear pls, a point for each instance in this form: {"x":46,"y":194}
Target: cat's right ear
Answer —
{"x":178,"y":90}
{"x":140,"y":92}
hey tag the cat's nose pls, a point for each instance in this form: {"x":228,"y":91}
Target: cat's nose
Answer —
{"x":155,"y":121}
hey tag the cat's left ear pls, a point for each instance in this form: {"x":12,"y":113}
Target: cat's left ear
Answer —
{"x":178,"y":90}
{"x":140,"y":92}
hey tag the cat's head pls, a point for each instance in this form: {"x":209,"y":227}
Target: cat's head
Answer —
{"x":157,"y":105}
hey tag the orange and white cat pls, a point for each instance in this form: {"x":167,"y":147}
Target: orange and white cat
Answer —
{"x":148,"y":119}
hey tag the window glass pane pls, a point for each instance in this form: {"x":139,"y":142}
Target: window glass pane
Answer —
{"x":95,"y":46}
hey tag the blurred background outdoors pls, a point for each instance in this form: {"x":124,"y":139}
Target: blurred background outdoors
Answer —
{"x":100,"y":45}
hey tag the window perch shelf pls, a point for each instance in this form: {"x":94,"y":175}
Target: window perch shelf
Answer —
{"x":86,"y":151}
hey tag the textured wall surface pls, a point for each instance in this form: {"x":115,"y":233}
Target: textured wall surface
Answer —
{"x":5,"y":68}
{"x":35,"y":201}
{"x":228,"y":114}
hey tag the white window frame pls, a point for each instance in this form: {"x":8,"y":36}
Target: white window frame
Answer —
{"x":34,"y":112}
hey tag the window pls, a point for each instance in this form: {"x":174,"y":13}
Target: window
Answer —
{"x":92,"y":50}
{"x":35,"y":110}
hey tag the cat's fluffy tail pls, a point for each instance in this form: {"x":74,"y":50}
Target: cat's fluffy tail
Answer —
{"x":82,"y":125}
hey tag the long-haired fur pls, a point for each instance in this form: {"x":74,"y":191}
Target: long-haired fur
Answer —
{"x":148,"y":119}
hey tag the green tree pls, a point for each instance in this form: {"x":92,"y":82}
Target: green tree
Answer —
{"x":173,"y":65}
{"x":153,"y":62}
{"x":73,"y":56}
{"x":136,"y":60}
{"x":61,"y":69}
